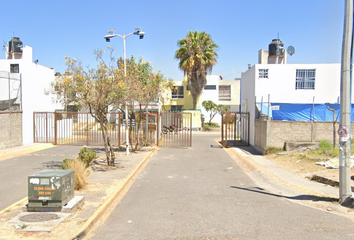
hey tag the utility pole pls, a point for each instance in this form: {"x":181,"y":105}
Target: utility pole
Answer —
{"x":344,"y":131}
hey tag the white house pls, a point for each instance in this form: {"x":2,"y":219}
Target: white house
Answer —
{"x":35,"y":82}
{"x":225,"y":92}
{"x":298,"y":92}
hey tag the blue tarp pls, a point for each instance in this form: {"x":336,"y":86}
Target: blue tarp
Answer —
{"x":304,"y":112}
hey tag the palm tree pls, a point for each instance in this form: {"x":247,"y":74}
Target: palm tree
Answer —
{"x":197,"y":57}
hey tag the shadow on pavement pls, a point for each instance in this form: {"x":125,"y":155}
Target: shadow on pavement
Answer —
{"x":299,"y":197}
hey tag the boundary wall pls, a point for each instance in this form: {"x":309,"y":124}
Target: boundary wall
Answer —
{"x":278,"y":133}
{"x":10,"y":129}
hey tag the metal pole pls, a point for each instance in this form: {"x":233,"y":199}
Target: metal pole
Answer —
{"x":345,"y":105}
{"x":313,"y":108}
{"x":126,"y":103}
{"x":9,"y":91}
{"x":268,"y":107}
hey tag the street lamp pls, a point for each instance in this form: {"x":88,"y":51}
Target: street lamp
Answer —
{"x":108,"y":39}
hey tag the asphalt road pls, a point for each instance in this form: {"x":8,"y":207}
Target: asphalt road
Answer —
{"x":14,"y":172}
{"x":201,"y":193}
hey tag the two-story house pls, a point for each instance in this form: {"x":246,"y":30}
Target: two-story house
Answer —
{"x":225,"y":92}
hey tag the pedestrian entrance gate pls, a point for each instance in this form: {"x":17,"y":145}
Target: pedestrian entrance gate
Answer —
{"x":235,"y":129}
{"x":176,"y":129}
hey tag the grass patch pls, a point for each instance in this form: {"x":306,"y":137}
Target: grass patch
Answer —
{"x":211,"y":125}
{"x":326,"y":149}
{"x":272,"y":150}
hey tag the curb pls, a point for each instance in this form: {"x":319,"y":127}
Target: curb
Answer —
{"x":95,"y":217}
{"x":328,"y":181}
{"x":20,"y":202}
{"x":248,"y":165}
{"x":10,"y":153}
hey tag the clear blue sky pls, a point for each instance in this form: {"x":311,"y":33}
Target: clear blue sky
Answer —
{"x":240,"y":27}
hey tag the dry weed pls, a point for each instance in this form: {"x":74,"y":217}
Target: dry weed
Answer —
{"x":81,"y":173}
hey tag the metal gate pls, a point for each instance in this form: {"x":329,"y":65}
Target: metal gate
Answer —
{"x":235,"y":129}
{"x":73,"y":128}
{"x":176,"y":130}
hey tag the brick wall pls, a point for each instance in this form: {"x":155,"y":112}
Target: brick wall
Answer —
{"x":276,"y":133}
{"x":10,"y":129}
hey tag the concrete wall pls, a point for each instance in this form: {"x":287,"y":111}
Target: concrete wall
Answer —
{"x":248,"y":103}
{"x":276,"y":133}
{"x":10,"y":129}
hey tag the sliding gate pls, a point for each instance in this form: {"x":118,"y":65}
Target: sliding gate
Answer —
{"x":235,"y":129}
{"x":176,"y":129}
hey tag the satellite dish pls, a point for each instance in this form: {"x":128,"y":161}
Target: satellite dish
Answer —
{"x":291,"y":50}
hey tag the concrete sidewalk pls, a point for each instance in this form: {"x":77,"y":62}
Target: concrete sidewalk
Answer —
{"x":274,"y":171}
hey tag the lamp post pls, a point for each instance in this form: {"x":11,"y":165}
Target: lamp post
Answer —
{"x":108,"y":39}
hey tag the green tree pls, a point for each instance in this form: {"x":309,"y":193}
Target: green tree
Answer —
{"x":197,"y":56}
{"x":143,"y":89}
{"x":95,"y":89}
{"x":214,"y":109}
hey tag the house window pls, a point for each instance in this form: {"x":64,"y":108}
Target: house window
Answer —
{"x":225,"y":91}
{"x":305,"y":78}
{"x":176,"y":108}
{"x":177,"y":92}
{"x":210,"y":87}
{"x":262,"y":73}
{"x":14,"y":68}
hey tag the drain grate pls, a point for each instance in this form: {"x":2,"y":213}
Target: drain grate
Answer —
{"x":39,"y":217}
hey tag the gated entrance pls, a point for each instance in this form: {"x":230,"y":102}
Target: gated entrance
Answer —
{"x":235,"y":129}
{"x":176,"y":129}
{"x":73,"y":128}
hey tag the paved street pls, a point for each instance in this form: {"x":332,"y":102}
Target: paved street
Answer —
{"x":15,"y":171}
{"x":201,"y":193}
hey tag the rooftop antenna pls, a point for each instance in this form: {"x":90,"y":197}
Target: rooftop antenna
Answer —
{"x":13,"y":46}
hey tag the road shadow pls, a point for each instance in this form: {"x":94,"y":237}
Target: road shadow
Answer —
{"x":249,"y":150}
{"x":313,"y":198}
{"x":54,"y":164}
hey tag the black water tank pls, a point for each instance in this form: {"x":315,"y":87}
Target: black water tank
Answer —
{"x":16,"y":43}
{"x":276,"y":48}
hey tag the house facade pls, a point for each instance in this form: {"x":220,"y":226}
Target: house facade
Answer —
{"x":289,"y":92}
{"x":32,"y":90}
{"x":225,"y":92}
{"x":295,"y":88}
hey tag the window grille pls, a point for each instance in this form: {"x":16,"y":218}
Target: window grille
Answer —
{"x":14,"y":68}
{"x":224,"y":91}
{"x":263,"y":73}
{"x":305,"y":78}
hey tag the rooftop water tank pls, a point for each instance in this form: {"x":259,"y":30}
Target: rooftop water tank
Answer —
{"x":276,"y":48}
{"x":15,"y":44}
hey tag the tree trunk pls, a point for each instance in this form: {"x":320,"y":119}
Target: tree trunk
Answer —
{"x":194,"y":101}
{"x":138,"y":127}
{"x":109,"y":150}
